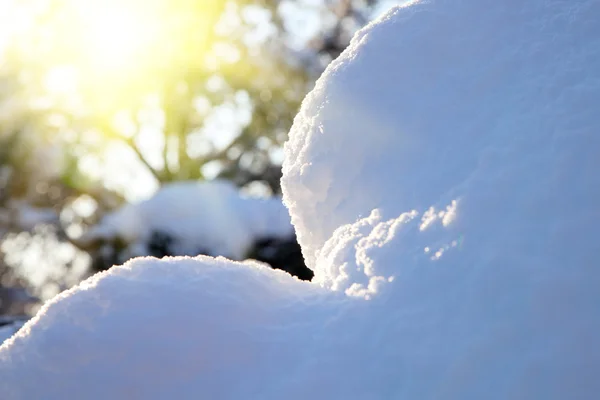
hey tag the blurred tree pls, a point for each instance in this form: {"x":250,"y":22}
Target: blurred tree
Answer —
{"x":101,"y":102}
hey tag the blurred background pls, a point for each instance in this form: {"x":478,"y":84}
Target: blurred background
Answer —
{"x":105,"y":102}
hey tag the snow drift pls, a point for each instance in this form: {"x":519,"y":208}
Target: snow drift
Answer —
{"x":443,"y":181}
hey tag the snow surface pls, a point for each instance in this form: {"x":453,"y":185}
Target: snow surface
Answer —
{"x":203,"y":217}
{"x":445,"y":168}
{"x":9,"y":325}
{"x":6,"y":332}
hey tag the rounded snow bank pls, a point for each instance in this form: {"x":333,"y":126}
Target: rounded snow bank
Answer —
{"x":445,"y":167}
{"x":486,"y":107}
{"x":157,"y":329}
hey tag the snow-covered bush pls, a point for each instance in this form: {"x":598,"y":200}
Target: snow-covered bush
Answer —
{"x":443,"y":181}
{"x":198,"y":218}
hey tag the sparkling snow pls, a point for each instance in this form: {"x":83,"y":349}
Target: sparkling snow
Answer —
{"x":443,"y":181}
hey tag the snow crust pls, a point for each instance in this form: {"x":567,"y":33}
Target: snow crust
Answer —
{"x":443,"y":181}
{"x":202,"y":217}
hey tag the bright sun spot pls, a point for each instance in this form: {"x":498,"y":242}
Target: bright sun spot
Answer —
{"x":116,"y":37}
{"x":109,"y":63}
{"x":109,"y":55}
{"x":124,"y":50}
{"x":61,"y":79}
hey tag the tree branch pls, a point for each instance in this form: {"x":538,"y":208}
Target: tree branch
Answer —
{"x":131,"y":143}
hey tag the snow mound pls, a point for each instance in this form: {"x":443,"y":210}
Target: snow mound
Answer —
{"x":489,"y":104}
{"x":154,"y":329}
{"x":200,"y":217}
{"x":443,"y":181}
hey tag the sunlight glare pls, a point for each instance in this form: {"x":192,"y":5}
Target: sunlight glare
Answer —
{"x":61,"y":79}
{"x":125,"y":50}
{"x":116,"y":37}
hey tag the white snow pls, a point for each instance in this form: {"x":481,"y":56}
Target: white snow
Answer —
{"x":177,"y":328}
{"x":443,"y":181}
{"x":210,"y":216}
{"x":6,"y":331}
{"x":9,"y":325}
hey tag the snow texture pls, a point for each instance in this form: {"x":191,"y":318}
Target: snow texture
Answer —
{"x":443,"y":181}
{"x":201,"y":217}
